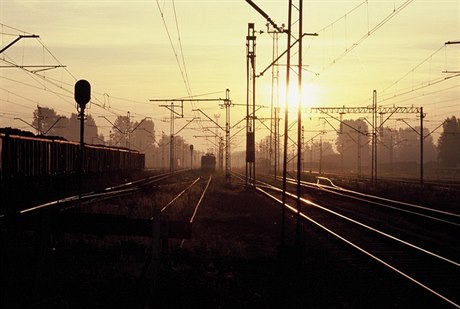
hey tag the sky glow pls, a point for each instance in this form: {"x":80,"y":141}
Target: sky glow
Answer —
{"x":125,"y":50}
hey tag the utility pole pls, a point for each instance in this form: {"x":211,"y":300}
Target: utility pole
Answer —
{"x":172,"y":154}
{"x":374,"y":138}
{"x":250,"y":107}
{"x":276,"y":30}
{"x":359,"y":153}
{"x":162,"y":151}
{"x":277,"y":142}
{"x":421,"y":145}
{"x":374,"y":110}
{"x":303,"y":149}
{"x":227,"y":104}
{"x":171,"y":108}
{"x":191,"y":157}
{"x":250,"y":44}
{"x":217,"y":142}
{"x":228,"y":165}
{"x":320,"y":154}
{"x":128,"y":129}
{"x":286,"y":123}
{"x":299,"y":119}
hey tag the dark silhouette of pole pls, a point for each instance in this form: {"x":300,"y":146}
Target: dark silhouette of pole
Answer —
{"x":421,"y":145}
{"x":82,"y":95}
{"x":299,"y":124}
{"x":250,"y":106}
{"x":374,"y":138}
{"x":286,"y":124}
{"x":191,"y":157}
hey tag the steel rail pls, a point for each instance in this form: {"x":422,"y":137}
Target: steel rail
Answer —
{"x":294,"y":210}
{"x":334,"y":190}
{"x":390,"y":200}
{"x":200,"y":200}
{"x":397,"y":208}
{"x":107,"y":193}
{"x":308,"y":202}
{"x":180,"y":194}
{"x":197,"y":206}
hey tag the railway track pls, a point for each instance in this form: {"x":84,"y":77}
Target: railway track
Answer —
{"x":76,"y":214}
{"x":95,"y":196}
{"x":448,"y":186}
{"x":177,"y":198}
{"x":447,"y":217}
{"x":182,"y":208}
{"x":418,"y":243}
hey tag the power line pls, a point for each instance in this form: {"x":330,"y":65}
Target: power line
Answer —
{"x":184,"y":79}
{"x":420,"y":86}
{"x":344,"y":16}
{"x":45,"y":81}
{"x":366,"y":35}
{"x":414,"y":68}
{"x":426,"y":95}
{"x":189,"y":90}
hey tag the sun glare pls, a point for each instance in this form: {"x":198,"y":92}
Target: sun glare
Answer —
{"x":310,"y":96}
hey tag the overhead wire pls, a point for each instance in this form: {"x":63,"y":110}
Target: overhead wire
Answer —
{"x":44,"y":80}
{"x":367,"y":35}
{"x":407,"y":90}
{"x":183,"y":66}
{"x":189,"y":90}
{"x":414,"y":68}
{"x":420,"y":86}
{"x":172,"y":46}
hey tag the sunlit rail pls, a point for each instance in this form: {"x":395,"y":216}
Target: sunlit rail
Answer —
{"x":382,"y":256}
{"x":430,"y":213}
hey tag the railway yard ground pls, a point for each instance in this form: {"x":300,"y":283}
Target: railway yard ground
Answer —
{"x":233,"y":260}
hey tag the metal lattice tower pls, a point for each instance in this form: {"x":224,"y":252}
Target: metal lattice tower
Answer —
{"x":376,"y":110}
{"x":227,"y":104}
{"x":251,"y":105}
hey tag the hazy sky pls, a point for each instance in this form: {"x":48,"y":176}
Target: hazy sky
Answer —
{"x":123,"y":49}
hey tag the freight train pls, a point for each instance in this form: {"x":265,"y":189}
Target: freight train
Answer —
{"x":28,"y":156}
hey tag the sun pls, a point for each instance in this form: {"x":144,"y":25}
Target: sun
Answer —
{"x":310,"y":96}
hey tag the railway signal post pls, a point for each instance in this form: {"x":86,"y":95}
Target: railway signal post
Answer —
{"x":82,"y":95}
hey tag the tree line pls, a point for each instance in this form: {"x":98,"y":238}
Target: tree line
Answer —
{"x":137,"y":135}
{"x":350,"y":151}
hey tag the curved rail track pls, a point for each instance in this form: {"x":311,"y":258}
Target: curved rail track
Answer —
{"x":442,"y":184}
{"x":418,"y":243}
{"x":447,"y":217}
{"x":95,"y":196}
{"x":41,"y":229}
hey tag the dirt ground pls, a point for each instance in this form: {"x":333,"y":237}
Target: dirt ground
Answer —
{"x":233,"y":260}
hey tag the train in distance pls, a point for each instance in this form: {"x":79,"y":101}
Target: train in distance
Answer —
{"x":208,"y":162}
